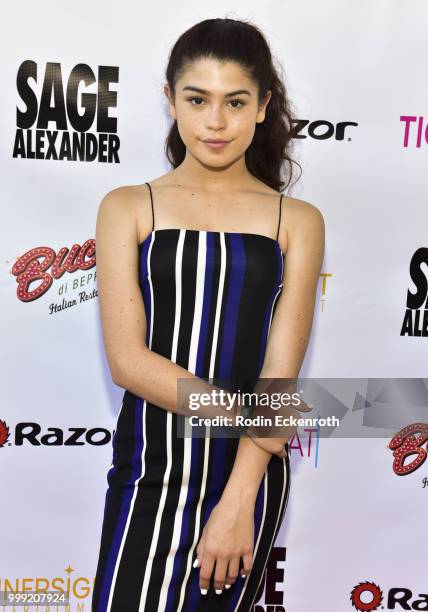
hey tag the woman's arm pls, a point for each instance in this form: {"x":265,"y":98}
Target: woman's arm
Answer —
{"x":133,"y":365}
{"x":289,"y":334}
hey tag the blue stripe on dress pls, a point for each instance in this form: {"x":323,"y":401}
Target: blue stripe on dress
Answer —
{"x":192,"y":494}
{"x":236,"y":281}
{"x":127,"y":493}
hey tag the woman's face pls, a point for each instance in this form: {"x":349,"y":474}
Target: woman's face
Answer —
{"x":215,"y":101}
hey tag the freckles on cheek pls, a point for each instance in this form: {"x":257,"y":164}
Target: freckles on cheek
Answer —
{"x":189,"y":122}
{"x":184,"y":118}
{"x":244,"y":124}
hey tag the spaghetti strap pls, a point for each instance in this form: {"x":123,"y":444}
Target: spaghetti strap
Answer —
{"x":279,"y":221}
{"x":151,"y":200}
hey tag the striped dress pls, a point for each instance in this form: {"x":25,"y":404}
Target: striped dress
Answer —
{"x":209,"y":299}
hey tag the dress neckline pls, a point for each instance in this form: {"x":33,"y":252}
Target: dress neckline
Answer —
{"x":178,"y":229}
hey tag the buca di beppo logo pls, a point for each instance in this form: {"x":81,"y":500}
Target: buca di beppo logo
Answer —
{"x":415,"y":322}
{"x":41,"y":265}
{"x":83,"y":129}
{"x":397,"y":599}
{"x":31,"y":433}
{"x":406,"y":443}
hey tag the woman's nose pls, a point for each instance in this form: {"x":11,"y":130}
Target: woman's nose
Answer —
{"x":216,"y":117}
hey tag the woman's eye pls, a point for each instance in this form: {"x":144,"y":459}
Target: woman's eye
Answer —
{"x":191,"y":100}
{"x":239,"y":102}
{"x":230,"y":102}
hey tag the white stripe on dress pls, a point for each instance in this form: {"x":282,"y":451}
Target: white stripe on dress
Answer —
{"x":196,"y":328}
{"x":156,"y":529}
{"x":207,"y":439}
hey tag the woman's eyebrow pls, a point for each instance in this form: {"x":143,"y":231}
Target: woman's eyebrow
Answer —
{"x":207,"y":93}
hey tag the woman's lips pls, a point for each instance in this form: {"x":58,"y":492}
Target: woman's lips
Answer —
{"x":215,"y":145}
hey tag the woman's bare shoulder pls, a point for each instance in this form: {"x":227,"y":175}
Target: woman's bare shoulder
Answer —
{"x":124,"y":195}
{"x":302,"y":207}
{"x":127,"y":204}
{"x":301,"y":211}
{"x":301,"y":218}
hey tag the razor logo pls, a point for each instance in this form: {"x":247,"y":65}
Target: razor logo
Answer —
{"x":321,"y":129}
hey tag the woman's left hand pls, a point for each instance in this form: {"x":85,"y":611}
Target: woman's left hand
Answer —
{"x":227,"y":537}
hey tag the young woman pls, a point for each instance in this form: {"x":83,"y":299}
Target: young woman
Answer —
{"x":190,"y":275}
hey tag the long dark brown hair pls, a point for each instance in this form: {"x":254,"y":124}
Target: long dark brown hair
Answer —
{"x":242,"y":42}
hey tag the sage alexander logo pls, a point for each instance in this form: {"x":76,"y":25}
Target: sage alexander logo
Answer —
{"x":368,"y":596}
{"x":57,"y":119}
{"x":31,"y":433}
{"x":415,"y":322}
{"x":37,"y":268}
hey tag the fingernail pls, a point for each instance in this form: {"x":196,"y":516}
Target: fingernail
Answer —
{"x":219,"y":591}
{"x":204,"y":591}
{"x":196,"y":562}
{"x":244,"y":575}
{"x":227,"y":586}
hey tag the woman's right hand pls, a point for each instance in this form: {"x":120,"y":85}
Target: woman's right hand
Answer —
{"x":274,"y":446}
{"x":277,"y":436}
